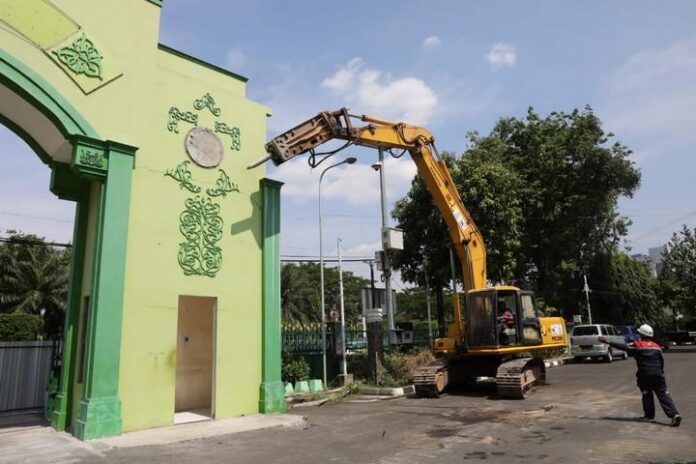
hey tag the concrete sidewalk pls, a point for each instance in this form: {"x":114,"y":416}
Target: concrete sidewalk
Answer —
{"x":41,"y":444}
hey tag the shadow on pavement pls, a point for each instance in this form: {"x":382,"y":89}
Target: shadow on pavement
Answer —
{"x":629,"y":419}
{"x":13,"y":422}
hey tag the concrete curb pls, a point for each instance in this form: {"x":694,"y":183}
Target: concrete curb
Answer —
{"x":198,"y":430}
{"x":549,"y":363}
{"x":387,"y":392}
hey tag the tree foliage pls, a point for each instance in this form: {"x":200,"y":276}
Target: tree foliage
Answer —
{"x":542,"y":190}
{"x":623,"y":291}
{"x":677,"y":281}
{"x":18,"y":327}
{"x":301,"y":297}
{"x":34,"y":276}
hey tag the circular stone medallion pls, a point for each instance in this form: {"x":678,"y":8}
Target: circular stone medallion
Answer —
{"x":204,"y":147}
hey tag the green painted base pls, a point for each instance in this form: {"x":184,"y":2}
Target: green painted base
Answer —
{"x":272,"y":397}
{"x":59,"y":416}
{"x":98,"y":418}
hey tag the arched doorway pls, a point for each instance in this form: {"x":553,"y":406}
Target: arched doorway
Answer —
{"x":95,"y":175}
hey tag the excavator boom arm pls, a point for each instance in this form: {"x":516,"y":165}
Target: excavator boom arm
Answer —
{"x":382,"y":134}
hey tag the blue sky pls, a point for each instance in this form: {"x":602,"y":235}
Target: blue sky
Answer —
{"x":453,"y":66}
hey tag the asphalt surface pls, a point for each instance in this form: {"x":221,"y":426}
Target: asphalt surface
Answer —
{"x":588,"y":413}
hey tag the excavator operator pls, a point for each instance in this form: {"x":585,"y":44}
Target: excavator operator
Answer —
{"x":506,"y":324}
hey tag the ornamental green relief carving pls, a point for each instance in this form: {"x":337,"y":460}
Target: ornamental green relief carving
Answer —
{"x":176,"y":115}
{"x":183,"y":176}
{"x":200,"y":223}
{"x":233,"y":132}
{"x":91,"y":158}
{"x":224,"y":186}
{"x":206,"y":101}
{"x":81,"y":57}
{"x":201,"y":226}
{"x":200,"y":104}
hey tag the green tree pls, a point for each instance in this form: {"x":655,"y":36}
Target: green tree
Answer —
{"x":543,"y":192}
{"x":300,"y":293}
{"x":677,"y":281}
{"x":34,"y":276}
{"x":623,"y":291}
{"x":572,"y":177}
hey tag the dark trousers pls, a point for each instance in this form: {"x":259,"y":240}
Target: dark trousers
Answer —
{"x":650,"y":384}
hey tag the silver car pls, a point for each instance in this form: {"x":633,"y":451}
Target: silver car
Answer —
{"x":584,"y":343}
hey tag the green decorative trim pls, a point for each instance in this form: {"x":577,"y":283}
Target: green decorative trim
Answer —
{"x":98,"y":418}
{"x":81,"y":57}
{"x":224,"y":186}
{"x":200,"y":62}
{"x":60,"y":416}
{"x":92,"y":158}
{"x":206,"y":101}
{"x":233,"y":132}
{"x":40,"y":94}
{"x":176,"y":115}
{"x":272,"y":395}
{"x":100,"y":409}
{"x":201,"y":225}
{"x":182,"y":175}
{"x":89,"y":157}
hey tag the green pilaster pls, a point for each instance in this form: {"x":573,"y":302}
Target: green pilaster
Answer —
{"x":272,"y":392}
{"x":68,"y":186}
{"x":100,"y":408}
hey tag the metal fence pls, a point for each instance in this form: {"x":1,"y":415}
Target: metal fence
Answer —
{"x":25,"y":368}
{"x":308,"y":341}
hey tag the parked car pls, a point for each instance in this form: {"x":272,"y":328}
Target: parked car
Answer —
{"x":584,"y":343}
{"x":628,"y":332}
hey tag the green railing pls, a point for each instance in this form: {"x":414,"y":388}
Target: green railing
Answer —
{"x":307,"y":340}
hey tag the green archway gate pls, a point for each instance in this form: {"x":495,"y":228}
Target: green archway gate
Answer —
{"x":151,"y":144}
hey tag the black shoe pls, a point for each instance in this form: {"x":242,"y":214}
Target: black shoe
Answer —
{"x":676,"y":420}
{"x":647,"y":419}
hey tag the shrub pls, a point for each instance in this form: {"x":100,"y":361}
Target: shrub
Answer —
{"x":398,"y":368}
{"x":16,"y":327}
{"x":294,"y":369}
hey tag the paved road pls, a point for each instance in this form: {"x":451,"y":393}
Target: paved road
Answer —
{"x":587,"y":414}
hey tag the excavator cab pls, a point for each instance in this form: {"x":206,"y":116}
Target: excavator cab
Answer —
{"x":501,"y":317}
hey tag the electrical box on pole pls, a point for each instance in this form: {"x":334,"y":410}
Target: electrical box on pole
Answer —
{"x":393,"y":238}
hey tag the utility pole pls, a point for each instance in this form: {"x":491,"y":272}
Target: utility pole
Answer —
{"x":586,"y":289}
{"x":386,"y":265}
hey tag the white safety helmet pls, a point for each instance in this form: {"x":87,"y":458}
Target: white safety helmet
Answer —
{"x":646,"y":330}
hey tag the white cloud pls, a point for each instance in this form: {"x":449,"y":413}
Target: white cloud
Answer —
{"x":648,"y":101}
{"x":357,"y":184}
{"x":652,"y":94}
{"x":501,"y":55}
{"x":407,"y":98}
{"x":432,"y":42}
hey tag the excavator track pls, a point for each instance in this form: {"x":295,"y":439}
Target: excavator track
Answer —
{"x":431,"y":380}
{"x":519,"y":377}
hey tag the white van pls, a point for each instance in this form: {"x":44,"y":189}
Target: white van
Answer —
{"x":584,"y":343}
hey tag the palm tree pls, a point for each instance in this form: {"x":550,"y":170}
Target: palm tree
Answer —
{"x":34,"y":276}
{"x":299,"y":295}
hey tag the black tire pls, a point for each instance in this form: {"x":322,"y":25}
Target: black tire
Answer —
{"x":609,"y":356}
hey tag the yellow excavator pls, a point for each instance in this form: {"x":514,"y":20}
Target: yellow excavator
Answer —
{"x":499,"y":331}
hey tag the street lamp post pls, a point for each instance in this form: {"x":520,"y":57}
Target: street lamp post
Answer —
{"x":344,"y":365}
{"x":349,"y":160}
